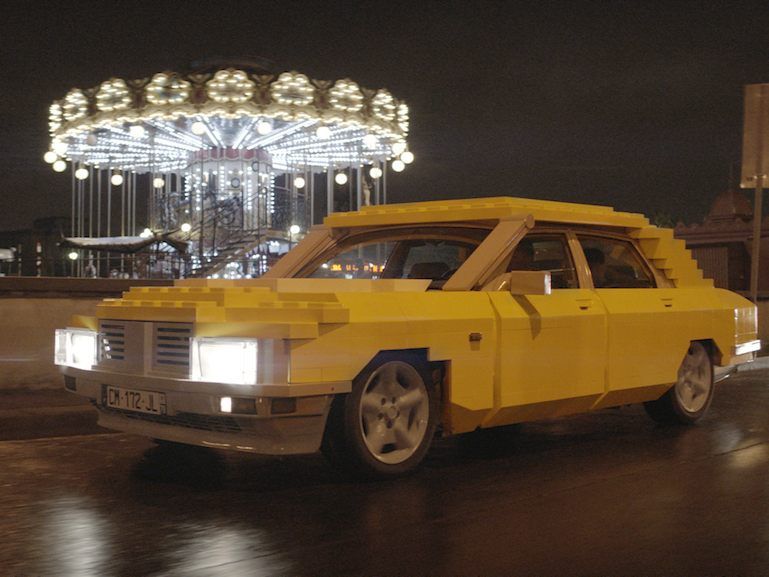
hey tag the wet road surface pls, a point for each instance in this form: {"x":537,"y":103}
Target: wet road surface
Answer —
{"x":603,"y":494}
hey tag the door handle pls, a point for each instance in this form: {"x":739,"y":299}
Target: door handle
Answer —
{"x":667,"y":302}
{"x":584,"y":304}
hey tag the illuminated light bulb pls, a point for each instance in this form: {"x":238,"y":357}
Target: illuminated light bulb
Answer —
{"x":186,"y":227}
{"x":158,"y":182}
{"x":264,"y":127}
{"x":340,"y":178}
{"x":73,"y":255}
{"x":198,"y":128}
{"x":407,"y":157}
{"x":60,"y":166}
{"x":398,"y":165}
{"x":294,"y":229}
{"x":375,"y":172}
{"x":399,"y":148}
{"x":299,"y":182}
{"x":146,"y":233}
{"x":59,"y":147}
{"x":116,"y":179}
{"x":370,"y":141}
{"x":137,"y":131}
{"x":81,"y":173}
{"x":323,"y":132}
{"x":50,"y":157}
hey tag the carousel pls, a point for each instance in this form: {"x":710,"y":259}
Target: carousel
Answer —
{"x":217,"y":172}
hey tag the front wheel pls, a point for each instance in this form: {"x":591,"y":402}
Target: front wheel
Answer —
{"x":385,"y":426}
{"x":689,"y":399}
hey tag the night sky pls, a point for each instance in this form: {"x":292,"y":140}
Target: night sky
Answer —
{"x":637,"y":105}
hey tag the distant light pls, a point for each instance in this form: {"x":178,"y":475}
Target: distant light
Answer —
{"x":407,"y":157}
{"x":294,"y":229}
{"x":186,"y":227}
{"x":399,"y":148}
{"x":137,"y":131}
{"x":116,"y":179}
{"x":158,"y":182}
{"x":198,"y":128}
{"x":81,"y":173}
{"x":375,"y":172}
{"x":299,"y":182}
{"x":398,"y":165}
{"x":264,"y":127}
{"x":50,"y":157}
{"x":323,"y":132}
{"x":59,"y":147}
{"x":73,"y":255}
{"x":146,"y":233}
{"x":370,"y":141}
{"x":340,"y":178}
{"x":59,"y":166}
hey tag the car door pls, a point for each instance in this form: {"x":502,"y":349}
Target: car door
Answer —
{"x":640,"y":357}
{"x":552,"y":348}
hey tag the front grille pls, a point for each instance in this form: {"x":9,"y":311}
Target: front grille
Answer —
{"x":187,"y":420}
{"x":171,"y":347}
{"x":113,"y":340}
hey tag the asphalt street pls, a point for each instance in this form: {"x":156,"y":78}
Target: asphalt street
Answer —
{"x":609,"y":493}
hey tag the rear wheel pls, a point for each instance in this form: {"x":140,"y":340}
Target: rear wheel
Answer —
{"x":385,"y":426}
{"x":689,"y":399}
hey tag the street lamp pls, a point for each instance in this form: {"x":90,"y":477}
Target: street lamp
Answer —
{"x":293,"y":230}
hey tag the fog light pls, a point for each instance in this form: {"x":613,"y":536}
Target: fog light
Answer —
{"x":225,"y":404}
{"x":283,"y":406}
{"x":236,"y":405}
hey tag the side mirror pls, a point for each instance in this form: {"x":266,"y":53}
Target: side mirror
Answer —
{"x":522,"y":282}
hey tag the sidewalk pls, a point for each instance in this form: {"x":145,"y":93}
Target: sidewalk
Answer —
{"x":33,"y":414}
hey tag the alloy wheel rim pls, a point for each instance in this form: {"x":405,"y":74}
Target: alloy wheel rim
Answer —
{"x":695,"y":380}
{"x":394,"y":412}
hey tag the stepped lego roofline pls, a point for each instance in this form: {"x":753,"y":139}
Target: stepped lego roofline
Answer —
{"x":486,"y":208}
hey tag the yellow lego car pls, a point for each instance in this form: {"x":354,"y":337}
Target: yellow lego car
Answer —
{"x":384,"y":326}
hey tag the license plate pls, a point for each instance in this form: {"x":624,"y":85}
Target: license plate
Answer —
{"x":134,"y":400}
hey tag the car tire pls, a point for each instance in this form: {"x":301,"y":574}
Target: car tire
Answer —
{"x":688,"y":400}
{"x":384,"y":427}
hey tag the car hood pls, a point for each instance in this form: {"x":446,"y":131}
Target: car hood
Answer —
{"x":269,"y":308}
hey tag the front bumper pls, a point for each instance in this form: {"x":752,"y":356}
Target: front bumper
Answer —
{"x":193,"y":415}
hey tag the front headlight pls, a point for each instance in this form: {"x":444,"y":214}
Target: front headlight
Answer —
{"x":224,"y":360}
{"x":76,"y":348}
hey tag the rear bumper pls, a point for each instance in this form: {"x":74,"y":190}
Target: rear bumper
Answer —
{"x":193,"y":416}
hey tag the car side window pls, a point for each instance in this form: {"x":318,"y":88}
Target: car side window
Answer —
{"x":546,"y":252}
{"x":615,"y":263}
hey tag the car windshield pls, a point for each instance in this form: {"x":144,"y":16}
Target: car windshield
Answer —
{"x":433,"y":253}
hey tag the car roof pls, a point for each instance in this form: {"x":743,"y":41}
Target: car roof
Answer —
{"x":491,"y":208}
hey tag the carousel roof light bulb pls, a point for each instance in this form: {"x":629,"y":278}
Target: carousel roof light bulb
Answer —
{"x":264,"y":127}
{"x":407,"y":157}
{"x":398,"y":165}
{"x":340,"y":178}
{"x":323,"y":132}
{"x":186,"y":227}
{"x":137,"y":131}
{"x":299,"y":182}
{"x":73,"y":255}
{"x":370,"y":141}
{"x":116,"y":179}
{"x":81,"y":173}
{"x":399,"y":147}
{"x":50,"y":157}
{"x":198,"y":128}
{"x":158,"y":182}
{"x":59,"y":147}
{"x":375,"y":172}
{"x":146,"y":233}
{"x":59,"y":166}
{"x":294,"y":229}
